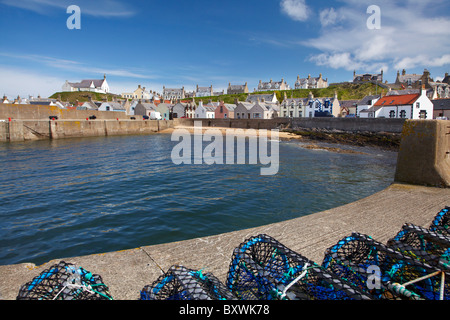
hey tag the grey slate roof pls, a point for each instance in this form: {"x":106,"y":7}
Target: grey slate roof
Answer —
{"x":367,"y":99}
{"x":441,"y":104}
{"x":87,"y":83}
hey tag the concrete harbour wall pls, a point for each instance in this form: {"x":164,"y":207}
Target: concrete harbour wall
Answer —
{"x":375,"y":125}
{"x":342,"y":124}
{"x":424,"y":155}
{"x":42,"y":112}
{"x":22,"y":130}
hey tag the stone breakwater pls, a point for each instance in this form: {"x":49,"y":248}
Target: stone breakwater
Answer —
{"x":23,"y":130}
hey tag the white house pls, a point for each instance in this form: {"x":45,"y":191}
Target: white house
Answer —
{"x":204,"y":91}
{"x":262,"y":110}
{"x":407,"y":106}
{"x":242,"y":110}
{"x":324,"y":106}
{"x":205,"y":112}
{"x":293,"y":107}
{"x":365,"y":104}
{"x":311,"y":82}
{"x":100,"y":86}
{"x":272,"y":85}
{"x":111,"y":106}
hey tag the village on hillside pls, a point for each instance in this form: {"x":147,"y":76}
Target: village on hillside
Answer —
{"x":409,"y":96}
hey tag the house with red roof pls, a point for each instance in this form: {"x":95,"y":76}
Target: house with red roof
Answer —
{"x":405,"y":106}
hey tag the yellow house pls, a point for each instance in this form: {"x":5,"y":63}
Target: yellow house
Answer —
{"x":139,"y":93}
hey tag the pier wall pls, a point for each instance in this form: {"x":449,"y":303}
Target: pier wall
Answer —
{"x":424,"y":155}
{"x":22,"y":130}
{"x":42,"y":112}
{"x":375,"y":125}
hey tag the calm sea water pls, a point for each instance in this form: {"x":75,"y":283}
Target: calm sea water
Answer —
{"x":64,"y":198}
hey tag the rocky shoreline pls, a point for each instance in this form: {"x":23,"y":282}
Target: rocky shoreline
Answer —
{"x":383,"y":140}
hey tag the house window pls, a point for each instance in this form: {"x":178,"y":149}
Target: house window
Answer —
{"x":403,"y":114}
{"x":418,"y":105}
{"x":422,"y":114}
{"x":256,"y":115}
{"x":221,"y":109}
{"x":107,"y":108}
{"x":300,"y":114}
{"x":392,"y":114}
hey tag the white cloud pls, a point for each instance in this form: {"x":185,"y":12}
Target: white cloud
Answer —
{"x":295,"y":9}
{"x":76,"y":66}
{"x":329,"y":17}
{"x":15,"y":81}
{"x":412,"y":34}
{"x":422,"y":60}
{"x":97,"y":8}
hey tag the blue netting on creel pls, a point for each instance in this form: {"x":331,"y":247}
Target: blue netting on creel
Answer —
{"x":264,"y":269}
{"x":423,"y":244}
{"x":180,"y":283}
{"x":379,"y":269}
{"x":441,"y":222}
{"x":65,"y":281}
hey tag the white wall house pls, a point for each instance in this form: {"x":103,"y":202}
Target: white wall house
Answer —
{"x":365,"y":104}
{"x":322,"y":105}
{"x":111,"y":106}
{"x":100,"y":86}
{"x":204,"y":112}
{"x":242,"y":110}
{"x":407,"y":106}
{"x":262,"y":110}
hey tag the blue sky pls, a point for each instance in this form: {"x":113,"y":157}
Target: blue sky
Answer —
{"x":185,"y":43}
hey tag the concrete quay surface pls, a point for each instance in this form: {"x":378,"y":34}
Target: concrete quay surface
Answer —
{"x":380,"y":216}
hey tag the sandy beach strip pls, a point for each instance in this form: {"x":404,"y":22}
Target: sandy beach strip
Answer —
{"x":236,"y":131}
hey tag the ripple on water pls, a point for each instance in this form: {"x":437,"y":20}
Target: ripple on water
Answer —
{"x":73,"y":197}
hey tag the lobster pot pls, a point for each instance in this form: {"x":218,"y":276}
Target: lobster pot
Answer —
{"x":441,"y":223}
{"x":180,"y":283}
{"x":65,"y":281}
{"x":423,"y":244}
{"x":380,"y":270}
{"x":264,"y":269}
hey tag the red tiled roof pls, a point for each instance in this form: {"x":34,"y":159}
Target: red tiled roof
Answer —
{"x":397,"y":100}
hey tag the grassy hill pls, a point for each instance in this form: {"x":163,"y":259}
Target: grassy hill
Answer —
{"x":83,"y":96}
{"x":345,"y":91}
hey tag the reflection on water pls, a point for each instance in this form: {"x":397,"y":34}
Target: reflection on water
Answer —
{"x":63,"y":198}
